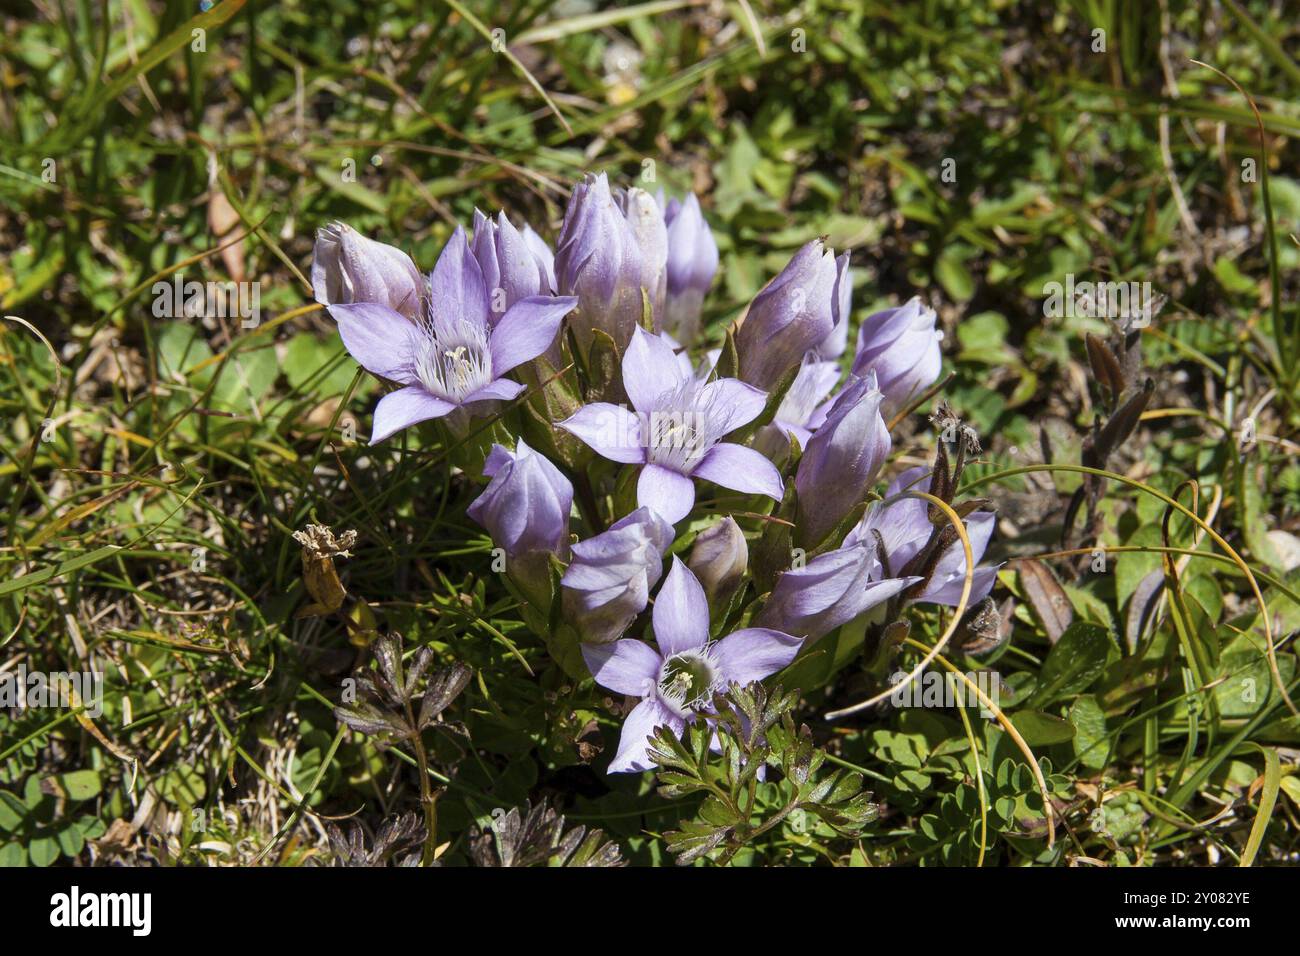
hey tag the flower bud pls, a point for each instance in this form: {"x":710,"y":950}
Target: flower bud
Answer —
{"x":841,"y":461}
{"x":901,"y":345}
{"x":692,"y":263}
{"x":525,"y":509}
{"x":792,"y":314}
{"x":598,"y":259}
{"x":608,"y":583}
{"x":512,"y":267}
{"x":718,"y":559}
{"x":347,"y":267}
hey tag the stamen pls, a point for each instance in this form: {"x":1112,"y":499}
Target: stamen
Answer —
{"x":687,"y":680}
{"x":684,"y":426}
{"x":452,"y":359}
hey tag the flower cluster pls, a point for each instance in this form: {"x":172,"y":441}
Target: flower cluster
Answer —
{"x":771,"y":446}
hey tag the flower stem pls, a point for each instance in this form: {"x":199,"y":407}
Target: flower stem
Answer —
{"x":428,"y":799}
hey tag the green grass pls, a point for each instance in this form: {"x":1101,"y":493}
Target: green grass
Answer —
{"x":148,"y":526}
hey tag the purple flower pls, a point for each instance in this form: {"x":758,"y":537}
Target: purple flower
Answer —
{"x":525,"y":509}
{"x":599,"y":260}
{"x":692,"y":263}
{"x":608,"y":583}
{"x":803,"y":409}
{"x":901,"y":527}
{"x":452,"y":356}
{"x":833,"y":345}
{"x":512,"y":265}
{"x":347,"y":267}
{"x":676,"y":430}
{"x":841,"y":461}
{"x":901,"y":345}
{"x":677,"y":681}
{"x":829,"y":591}
{"x":795,"y":312}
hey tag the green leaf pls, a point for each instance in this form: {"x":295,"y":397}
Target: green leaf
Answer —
{"x":1042,"y":730}
{"x":951,"y":272}
{"x":43,"y":850}
{"x":1075,"y":661}
{"x":12,"y":812}
{"x":71,"y":841}
{"x":180,"y":349}
{"x":80,"y":784}
{"x":1090,"y":742}
{"x":183,"y":786}
{"x":12,"y":854}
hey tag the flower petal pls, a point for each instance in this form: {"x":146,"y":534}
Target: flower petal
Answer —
{"x":949,"y":592}
{"x":503,"y":389}
{"x":527,"y":330}
{"x":670,"y":494}
{"x":650,"y":368}
{"x":403,"y":408}
{"x":740,"y":469}
{"x":633,"y":754}
{"x":625,"y":667}
{"x":609,"y":430}
{"x":378,"y":338}
{"x":916,"y":478}
{"x":681,"y":612}
{"x":731,"y":398}
{"x":754,"y":653}
{"x":950,"y":570}
{"x":456,"y":287}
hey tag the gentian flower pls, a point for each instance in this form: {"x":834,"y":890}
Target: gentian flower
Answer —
{"x":512,"y":266}
{"x":829,"y":591}
{"x":677,"y":680}
{"x":525,"y":509}
{"x":347,"y":267}
{"x":608,"y":583}
{"x":795,"y":312}
{"x":803,"y":408}
{"x":452,"y":356}
{"x":833,"y":345}
{"x":901,"y":345}
{"x":718,"y":560}
{"x":598,"y":259}
{"x":903,"y":527}
{"x":692,"y":263}
{"x":676,"y":430}
{"x":841,"y":461}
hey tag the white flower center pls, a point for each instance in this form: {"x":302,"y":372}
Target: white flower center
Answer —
{"x":452,"y":360}
{"x":687,"y":680}
{"x":684,"y":426}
